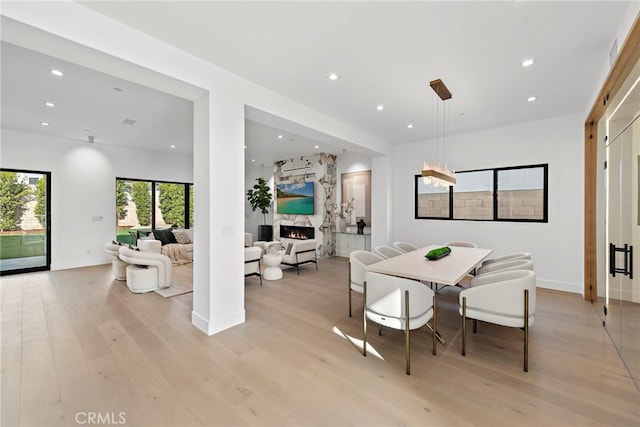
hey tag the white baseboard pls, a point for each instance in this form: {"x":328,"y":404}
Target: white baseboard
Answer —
{"x":574,"y":288}
{"x":220,"y":325}
{"x":81,"y":263}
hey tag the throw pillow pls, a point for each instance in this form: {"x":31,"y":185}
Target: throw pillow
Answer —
{"x":165,"y":236}
{"x":181,"y":236}
{"x":189,"y":232}
{"x":289,"y":247}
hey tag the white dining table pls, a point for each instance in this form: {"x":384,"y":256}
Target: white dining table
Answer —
{"x":449,"y":270}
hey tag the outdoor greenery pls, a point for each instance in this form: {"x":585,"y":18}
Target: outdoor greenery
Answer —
{"x":171,"y":198}
{"x":141,"y":195}
{"x":40,"y":210}
{"x":22,"y":245}
{"x":259,"y":197}
{"x":14,"y":196}
{"x":122,"y":188}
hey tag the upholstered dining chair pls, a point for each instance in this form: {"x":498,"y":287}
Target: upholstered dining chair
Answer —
{"x":506,"y":298}
{"x":515,"y":264}
{"x":404,"y":246}
{"x":460,"y":243}
{"x":252,"y":255}
{"x":358,"y":262}
{"x":398,"y":303}
{"x":387,"y":251}
{"x":508,"y":257}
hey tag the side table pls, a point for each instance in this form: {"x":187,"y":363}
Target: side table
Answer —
{"x":272,"y":261}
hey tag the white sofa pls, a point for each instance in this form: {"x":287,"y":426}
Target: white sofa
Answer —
{"x":184,"y":238}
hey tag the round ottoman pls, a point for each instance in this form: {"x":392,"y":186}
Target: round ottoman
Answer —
{"x":142,"y":278}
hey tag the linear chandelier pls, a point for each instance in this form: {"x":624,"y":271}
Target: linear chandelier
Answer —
{"x":435,"y":173}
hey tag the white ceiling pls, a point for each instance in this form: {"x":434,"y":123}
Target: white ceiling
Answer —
{"x":384,"y":52}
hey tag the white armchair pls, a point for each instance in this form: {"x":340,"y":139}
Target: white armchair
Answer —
{"x":148,"y":270}
{"x":508,"y":257}
{"x":398,"y":303}
{"x":300,"y":252}
{"x":506,"y":298}
{"x":358,"y":262}
{"x":252,"y":257}
{"x":118,"y":267}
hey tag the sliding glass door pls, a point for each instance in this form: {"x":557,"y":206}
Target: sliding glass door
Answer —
{"x":25,"y":237}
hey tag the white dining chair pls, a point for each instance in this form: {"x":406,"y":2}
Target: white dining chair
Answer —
{"x":506,"y":298}
{"x":515,"y":264}
{"x":358,"y":262}
{"x":387,"y":251}
{"x":460,"y":243}
{"x":508,"y":257}
{"x":400,"y":304}
{"x":405,"y":247}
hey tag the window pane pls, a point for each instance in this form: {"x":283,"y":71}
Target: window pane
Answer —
{"x":473,"y":195}
{"x":133,"y":209}
{"x":170,"y":205}
{"x":431,"y":202}
{"x":521,"y":193}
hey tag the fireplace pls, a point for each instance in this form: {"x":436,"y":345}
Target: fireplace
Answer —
{"x":297,"y":232}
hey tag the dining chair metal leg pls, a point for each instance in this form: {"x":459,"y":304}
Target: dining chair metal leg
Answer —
{"x":475,"y":326}
{"x":406,"y":331}
{"x":379,"y":329}
{"x":435,"y":325}
{"x":349,"y":285}
{"x":464,"y":326}
{"x":364,"y":321}
{"x":526,"y":330}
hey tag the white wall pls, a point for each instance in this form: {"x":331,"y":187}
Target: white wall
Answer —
{"x":556,"y":246}
{"x":83,"y":186}
{"x":254,"y":218}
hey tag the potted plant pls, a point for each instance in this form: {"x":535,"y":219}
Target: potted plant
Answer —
{"x":259,"y":197}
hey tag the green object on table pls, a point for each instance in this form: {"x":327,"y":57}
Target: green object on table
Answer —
{"x":438,"y":253}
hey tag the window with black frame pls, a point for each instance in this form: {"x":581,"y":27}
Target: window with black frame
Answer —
{"x":143,"y":206}
{"x":518,"y":193}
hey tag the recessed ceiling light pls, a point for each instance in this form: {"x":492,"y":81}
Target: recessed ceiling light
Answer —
{"x":528,"y":62}
{"x":57,"y":73}
{"x":117,"y":89}
{"x":245,"y":146}
{"x":409,"y":126}
{"x":316,"y":146}
{"x":49,"y":104}
{"x":461,"y":114}
{"x":380,"y":107}
{"x":280,"y":136}
{"x":333,"y":76}
{"x":172,"y":146}
{"x":87,"y":130}
{"x":532,"y":98}
{"x":44,"y":123}
{"x":253,"y":160}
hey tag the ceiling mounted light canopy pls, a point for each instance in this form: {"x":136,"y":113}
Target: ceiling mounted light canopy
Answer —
{"x":435,"y":173}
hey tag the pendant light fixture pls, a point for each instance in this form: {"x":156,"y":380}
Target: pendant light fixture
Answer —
{"x":435,"y":173}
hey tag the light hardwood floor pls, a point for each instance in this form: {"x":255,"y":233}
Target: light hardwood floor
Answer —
{"x":76,"y":342}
